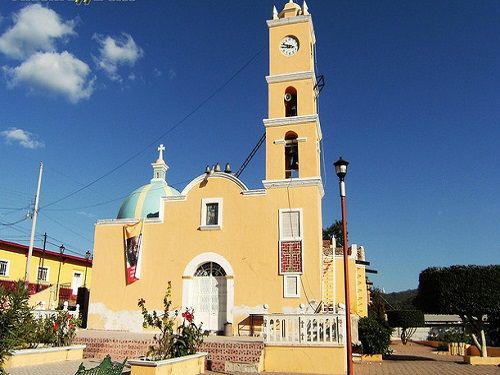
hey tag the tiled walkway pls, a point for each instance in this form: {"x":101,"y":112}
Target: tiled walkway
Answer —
{"x":412,"y":359}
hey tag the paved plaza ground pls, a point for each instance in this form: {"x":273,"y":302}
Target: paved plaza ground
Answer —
{"x":412,"y":359}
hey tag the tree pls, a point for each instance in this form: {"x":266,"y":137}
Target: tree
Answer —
{"x":334,"y":230}
{"x":472,"y":292}
{"x":376,"y":309}
{"x":408,"y":320}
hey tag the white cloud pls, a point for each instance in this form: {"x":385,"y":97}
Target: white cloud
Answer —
{"x":114,"y":52}
{"x":35,"y":29}
{"x":23,"y":137}
{"x":61,"y":73}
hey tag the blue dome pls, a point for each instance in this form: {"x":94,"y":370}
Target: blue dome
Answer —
{"x":144,"y":202}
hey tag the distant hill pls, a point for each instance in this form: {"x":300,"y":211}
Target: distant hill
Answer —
{"x":400,"y":300}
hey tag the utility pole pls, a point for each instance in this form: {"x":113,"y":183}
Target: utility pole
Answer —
{"x":33,"y":227}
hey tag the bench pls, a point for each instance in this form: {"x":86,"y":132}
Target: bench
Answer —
{"x":106,"y":367}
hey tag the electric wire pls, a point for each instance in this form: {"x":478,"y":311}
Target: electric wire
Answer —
{"x":172,"y":128}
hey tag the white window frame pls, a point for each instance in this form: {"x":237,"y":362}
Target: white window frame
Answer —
{"x":293,"y":238}
{"x":301,"y":224}
{"x":47,"y":274}
{"x":203,"y":218}
{"x":286,"y":293}
{"x":7,"y":267}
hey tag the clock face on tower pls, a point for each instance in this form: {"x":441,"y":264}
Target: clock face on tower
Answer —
{"x":289,"y":45}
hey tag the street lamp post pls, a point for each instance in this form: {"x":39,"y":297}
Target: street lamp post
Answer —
{"x":341,"y":170}
{"x":61,"y":252}
{"x":87,"y":258}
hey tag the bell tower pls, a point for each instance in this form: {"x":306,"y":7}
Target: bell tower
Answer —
{"x":293,"y":131}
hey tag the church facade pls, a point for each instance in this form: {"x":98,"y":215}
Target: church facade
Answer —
{"x":230,"y":252}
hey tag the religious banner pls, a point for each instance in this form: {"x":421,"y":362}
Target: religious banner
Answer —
{"x":132,"y":235}
{"x":290,"y":257}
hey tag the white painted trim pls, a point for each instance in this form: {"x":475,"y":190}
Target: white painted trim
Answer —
{"x":291,"y":21}
{"x":204,"y":176}
{"x":295,"y":182}
{"x":294,"y":120}
{"x":192,"y":266}
{"x":116,"y":221}
{"x":174,"y":198}
{"x":285,"y":291}
{"x":203,"y":214}
{"x":7,"y":267}
{"x":278,"y":78}
{"x":289,"y":141}
{"x":147,"y":363}
{"x":254,"y":192}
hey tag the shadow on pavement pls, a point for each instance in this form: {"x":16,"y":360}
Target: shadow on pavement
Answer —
{"x":402,"y":357}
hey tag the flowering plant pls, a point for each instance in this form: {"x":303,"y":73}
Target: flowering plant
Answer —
{"x":170,"y":342}
{"x":64,"y":328}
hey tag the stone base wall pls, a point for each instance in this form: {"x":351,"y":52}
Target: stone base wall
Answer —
{"x":233,"y":352}
{"x":118,"y":349}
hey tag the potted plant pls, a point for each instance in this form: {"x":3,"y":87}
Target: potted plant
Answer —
{"x":175,"y":348}
{"x":25,"y":340}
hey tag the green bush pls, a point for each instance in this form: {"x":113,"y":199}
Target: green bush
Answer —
{"x":15,"y":319}
{"x":374,"y":336}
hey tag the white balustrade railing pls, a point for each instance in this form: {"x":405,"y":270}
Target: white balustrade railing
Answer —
{"x":304,"y":329}
{"x":42,"y":313}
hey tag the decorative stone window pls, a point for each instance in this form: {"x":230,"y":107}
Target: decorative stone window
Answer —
{"x":4,"y":267}
{"x":43,"y":274}
{"x":211,"y":214}
{"x":291,"y":286}
{"x":290,"y":244}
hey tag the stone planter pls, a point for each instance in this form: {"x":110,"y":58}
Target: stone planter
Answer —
{"x":371,"y":358}
{"x":33,"y":357}
{"x":475,"y":360}
{"x":193,"y":364}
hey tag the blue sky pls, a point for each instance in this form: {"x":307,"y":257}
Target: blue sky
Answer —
{"x":412,"y":100}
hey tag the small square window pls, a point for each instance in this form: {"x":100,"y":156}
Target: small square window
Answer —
{"x":291,"y":286}
{"x":43,"y":274}
{"x":4,"y":268}
{"x":211,"y":214}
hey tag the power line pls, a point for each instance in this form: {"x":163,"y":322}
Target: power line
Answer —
{"x":67,"y":228}
{"x":14,"y":223}
{"x":191,"y":113}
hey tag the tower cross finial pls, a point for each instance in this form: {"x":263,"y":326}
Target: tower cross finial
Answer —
{"x":161,"y":148}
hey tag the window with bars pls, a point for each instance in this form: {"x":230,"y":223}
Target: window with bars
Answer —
{"x":43,"y":274}
{"x":4,"y":268}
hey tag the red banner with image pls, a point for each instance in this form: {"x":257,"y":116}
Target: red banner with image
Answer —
{"x":132,"y":235}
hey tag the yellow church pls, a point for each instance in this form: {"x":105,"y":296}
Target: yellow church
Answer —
{"x":232,"y":253}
